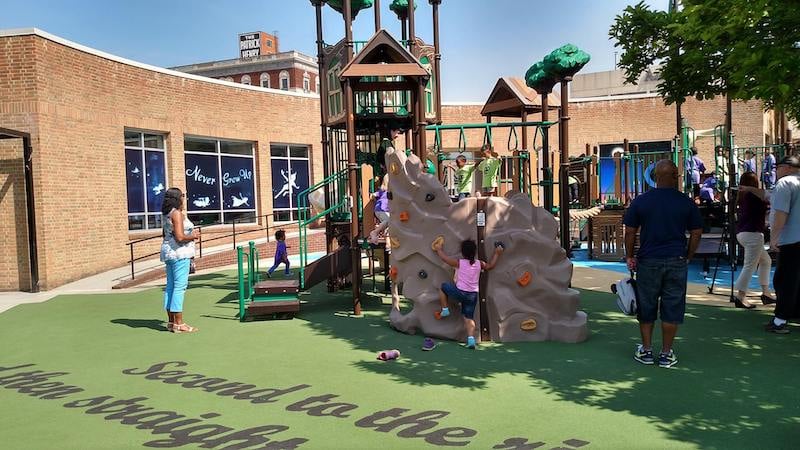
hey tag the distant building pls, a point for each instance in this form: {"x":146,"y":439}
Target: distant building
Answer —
{"x":611,"y":83}
{"x":261,"y":63}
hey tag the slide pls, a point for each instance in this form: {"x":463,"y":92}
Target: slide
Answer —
{"x":527,"y":295}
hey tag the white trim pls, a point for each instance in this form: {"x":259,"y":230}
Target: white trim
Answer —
{"x":45,"y":35}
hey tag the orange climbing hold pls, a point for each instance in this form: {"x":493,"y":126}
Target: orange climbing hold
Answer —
{"x":528,"y":325}
{"x":404,"y":216}
{"x":525,"y":279}
{"x":393,"y":273}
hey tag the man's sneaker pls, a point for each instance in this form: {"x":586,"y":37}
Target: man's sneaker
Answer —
{"x":471,"y":343}
{"x":642,"y":355}
{"x":667,"y":359}
{"x":777,"y":329}
{"x":428,"y":344}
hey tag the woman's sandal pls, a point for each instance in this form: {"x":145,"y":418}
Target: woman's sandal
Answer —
{"x":183,"y":328}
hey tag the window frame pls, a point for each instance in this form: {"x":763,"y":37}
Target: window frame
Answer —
{"x":219,"y":154}
{"x":284,"y":76}
{"x":143,"y":150}
{"x":335,"y":97}
{"x":306,"y":82}
{"x":292,"y":209}
{"x":246,"y":80}
{"x":264,"y":77}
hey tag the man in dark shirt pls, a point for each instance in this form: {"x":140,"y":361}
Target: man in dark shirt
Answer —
{"x":662,"y":216}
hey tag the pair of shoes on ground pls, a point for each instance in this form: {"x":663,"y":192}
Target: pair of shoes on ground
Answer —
{"x":180,"y":328}
{"x":646,"y":357}
{"x":429,"y":344}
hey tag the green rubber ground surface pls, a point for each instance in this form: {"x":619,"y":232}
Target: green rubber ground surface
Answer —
{"x":734,"y":387}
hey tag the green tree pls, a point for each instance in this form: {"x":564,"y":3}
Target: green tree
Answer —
{"x":749,"y":49}
{"x":355,"y":6}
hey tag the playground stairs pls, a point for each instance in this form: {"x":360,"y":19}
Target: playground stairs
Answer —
{"x":274,"y":297}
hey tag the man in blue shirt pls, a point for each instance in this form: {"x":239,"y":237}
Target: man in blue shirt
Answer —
{"x":661,"y":216}
{"x":785,"y":239}
{"x":768,"y":170}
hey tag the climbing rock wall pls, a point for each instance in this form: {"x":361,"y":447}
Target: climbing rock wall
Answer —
{"x":528,"y":292}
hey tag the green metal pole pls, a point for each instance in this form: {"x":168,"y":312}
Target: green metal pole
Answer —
{"x":240,"y":263}
{"x":251,"y":267}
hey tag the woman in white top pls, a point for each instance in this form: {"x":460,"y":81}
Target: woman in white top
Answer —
{"x":177,"y":251}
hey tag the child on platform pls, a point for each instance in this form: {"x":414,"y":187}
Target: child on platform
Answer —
{"x":281,"y":254}
{"x":465,"y":289}
{"x":490,"y":168}
{"x":381,"y":197}
{"x":463,"y":177}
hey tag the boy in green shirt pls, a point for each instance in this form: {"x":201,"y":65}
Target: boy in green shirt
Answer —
{"x":490,"y":168}
{"x":463,"y":178}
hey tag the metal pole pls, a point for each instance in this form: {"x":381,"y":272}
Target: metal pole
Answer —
{"x":323,"y":121}
{"x":33,"y":249}
{"x":438,"y":59}
{"x":377,"y":10}
{"x":411,"y":35}
{"x":355,"y":252}
{"x":563,"y":173}
{"x":517,"y":167}
{"x":678,"y":119}
{"x":548,"y":186}
{"x":625,"y":172}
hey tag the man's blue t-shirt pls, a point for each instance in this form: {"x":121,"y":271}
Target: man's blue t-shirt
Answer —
{"x":663,"y":215}
{"x":786,"y":198}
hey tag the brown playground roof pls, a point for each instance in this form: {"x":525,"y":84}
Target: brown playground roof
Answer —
{"x":511,"y":96}
{"x":383,"y":56}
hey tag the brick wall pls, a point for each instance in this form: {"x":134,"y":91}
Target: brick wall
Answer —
{"x":80,"y":105}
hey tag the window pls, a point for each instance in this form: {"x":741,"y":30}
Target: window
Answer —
{"x":146,"y":178}
{"x":220,"y":183}
{"x":429,"y":104}
{"x":334,"y":91}
{"x":317,"y":85}
{"x":264,"y":80}
{"x":226,"y":79}
{"x":306,"y":82}
{"x":269,"y":43}
{"x":284,"y":77}
{"x":290,"y":176}
{"x":246,"y":79}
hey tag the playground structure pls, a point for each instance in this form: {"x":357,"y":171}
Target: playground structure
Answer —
{"x":368,"y":91}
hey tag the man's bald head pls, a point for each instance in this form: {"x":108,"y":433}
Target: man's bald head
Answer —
{"x":666,"y":174}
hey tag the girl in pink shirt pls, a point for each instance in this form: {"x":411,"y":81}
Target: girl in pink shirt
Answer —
{"x":465,"y":289}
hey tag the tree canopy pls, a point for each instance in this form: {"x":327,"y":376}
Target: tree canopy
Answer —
{"x":748,"y":49}
{"x":355,"y":6}
{"x":562,"y":62}
{"x":400,"y":7}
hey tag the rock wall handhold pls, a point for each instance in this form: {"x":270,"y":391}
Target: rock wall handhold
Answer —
{"x":422,"y":274}
{"x":429,"y":197}
{"x":528,"y":325}
{"x":404,"y":216}
{"x":437,"y":243}
{"x":394,"y":242}
{"x":499,"y":244}
{"x":393,"y":273}
{"x":524,"y":279}
{"x":393,"y":168}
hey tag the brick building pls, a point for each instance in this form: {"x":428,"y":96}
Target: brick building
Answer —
{"x":261,"y":63}
{"x":109,"y":134}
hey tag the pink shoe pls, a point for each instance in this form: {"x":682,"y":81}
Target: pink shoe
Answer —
{"x":387,"y":355}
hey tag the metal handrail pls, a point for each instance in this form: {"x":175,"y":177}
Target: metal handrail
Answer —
{"x":200,"y":241}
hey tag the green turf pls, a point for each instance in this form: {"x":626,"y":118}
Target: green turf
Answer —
{"x":735,"y":386}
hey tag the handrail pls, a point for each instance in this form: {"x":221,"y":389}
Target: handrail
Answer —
{"x":233,"y":234}
{"x":516,"y":140}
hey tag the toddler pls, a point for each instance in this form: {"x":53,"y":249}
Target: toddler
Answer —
{"x":281,"y":254}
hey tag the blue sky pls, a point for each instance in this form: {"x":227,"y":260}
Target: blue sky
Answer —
{"x":481,"y":39}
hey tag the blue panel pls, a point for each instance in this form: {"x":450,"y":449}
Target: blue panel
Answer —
{"x":238,"y":183}
{"x":281,"y":187}
{"x":133,"y":176}
{"x":298,"y":179}
{"x":202,"y":182}
{"x":156,"y":179}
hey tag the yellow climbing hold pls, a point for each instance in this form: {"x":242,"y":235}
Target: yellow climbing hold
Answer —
{"x":393,"y":168}
{"x":394,"y":242}
{"x":528,"y":325}
{"x":437,"y":243}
